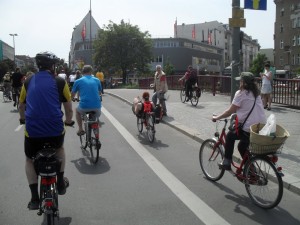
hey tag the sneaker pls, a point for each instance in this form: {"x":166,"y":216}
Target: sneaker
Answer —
{"x":62,"y":189}
{"x":15,"y":104}
{"x":33,"y":205}
{"x":225,"y":164}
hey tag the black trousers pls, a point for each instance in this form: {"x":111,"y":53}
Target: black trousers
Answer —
{"x":243,"y":144}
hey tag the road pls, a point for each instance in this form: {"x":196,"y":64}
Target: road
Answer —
{"x":135,"y":183}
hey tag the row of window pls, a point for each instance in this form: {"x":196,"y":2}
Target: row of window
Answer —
{"x":295,"y":60}
{"x":292,"y":8}
{"x":295,"y":42}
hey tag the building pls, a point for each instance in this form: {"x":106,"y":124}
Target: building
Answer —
{"x":81,"y":49}
{"x":217,"y":34}
{"x":6,"y":51}
{"x":269,"y":53}
{"x":287,"y":35}
{"x":181,"y":52}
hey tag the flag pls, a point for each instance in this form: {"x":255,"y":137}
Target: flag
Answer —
{"x":175,"y":28}
{"x":209,"y":37}
{"x":194,"y":32}
{"x":83,"y":31}
{"x":255,"y":4}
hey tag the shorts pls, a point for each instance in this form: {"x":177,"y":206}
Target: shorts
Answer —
{"x":83,"y":111}
{"x":33,"y":145}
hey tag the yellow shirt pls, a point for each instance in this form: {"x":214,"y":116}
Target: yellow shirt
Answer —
{"x":100,"y":76}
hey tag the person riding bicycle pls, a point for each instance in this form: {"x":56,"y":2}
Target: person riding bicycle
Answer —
{"x":7,"y":79}
{"x":160,"y":88}
{"x":17,"y":82}
{"x":242,"y":104}
{"x":146,"y":105}
{"x":42,"y":95}
{"x":190,"y":78}
{"x":89,"y":88}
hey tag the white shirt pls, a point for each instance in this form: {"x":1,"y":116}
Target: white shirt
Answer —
{"x":245,"y":100}
{"x":72,"y":78}
{"x":62,"y":75}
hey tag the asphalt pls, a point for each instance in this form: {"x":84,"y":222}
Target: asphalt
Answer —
{"x":196,"y":123}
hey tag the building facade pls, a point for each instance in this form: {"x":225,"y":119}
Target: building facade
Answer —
{"x":181,"y":52}
{"x":81,"y":49}
{"x":287,"y":35}
{"x":217,"y":34}
{"x":6,"y":51}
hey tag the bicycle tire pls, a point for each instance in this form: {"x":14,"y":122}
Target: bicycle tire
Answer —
{"x":263,"y":183}
{"x":95,"y":146}
{"x":150,"y":128}
{"x":83,"y":138}
{"x":5,"y":97}
{"x":209,"y":156}
{"x":182,"y":95}
{"x":139,"y":123}
{"x":194,"y":98}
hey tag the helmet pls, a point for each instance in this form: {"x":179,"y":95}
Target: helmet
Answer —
{"x":45,"y":60}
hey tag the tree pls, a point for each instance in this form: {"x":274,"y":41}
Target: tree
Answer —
{"x":122,"y":47}
{"x":169,"y":68}
{"x":6,"y":65}
{"x":258,"y":64}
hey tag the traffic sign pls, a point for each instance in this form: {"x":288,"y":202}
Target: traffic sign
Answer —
{"x":237,"y":22}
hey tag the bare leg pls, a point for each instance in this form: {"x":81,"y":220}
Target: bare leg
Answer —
{"x":30,"y":172}
{"x":79,"y":120}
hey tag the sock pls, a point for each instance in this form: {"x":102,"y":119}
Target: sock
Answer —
{"x":34,"y":192}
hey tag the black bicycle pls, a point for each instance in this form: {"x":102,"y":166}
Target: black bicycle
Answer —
{"x":91,"y":136}
{"x":196,"y":94}
{"x":47,"y":166}
{"x":6,"y":94}
{"x":16,"y":91}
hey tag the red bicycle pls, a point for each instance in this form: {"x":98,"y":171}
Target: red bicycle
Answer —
{"x":260,"y":174}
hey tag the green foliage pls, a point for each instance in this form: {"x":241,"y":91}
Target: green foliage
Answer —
{"x":6,"y":65}
{"x":169,"y":68}
{"x":258,"y":64}
{"x":122,"y":47}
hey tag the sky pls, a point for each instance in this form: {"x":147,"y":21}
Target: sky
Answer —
{"x":47,"y":25}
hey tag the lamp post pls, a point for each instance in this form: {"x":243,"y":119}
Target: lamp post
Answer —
{"x":13,"y":35}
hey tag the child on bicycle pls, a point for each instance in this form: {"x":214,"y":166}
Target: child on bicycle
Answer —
{"x":242,"y":103}
{"x":140,"y":107}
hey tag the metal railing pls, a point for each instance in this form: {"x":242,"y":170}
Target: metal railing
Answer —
{"x":285,"y":91}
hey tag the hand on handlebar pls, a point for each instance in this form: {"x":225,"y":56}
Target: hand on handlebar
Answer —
{"x":214,"y":118}
{"x":70,"y":124}
{"x":22,"y":121}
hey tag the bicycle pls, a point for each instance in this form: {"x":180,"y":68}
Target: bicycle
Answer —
{"x":16,"y":91}
{"x":196,"y":94}
{"x":260,"y":174}
{"x":6,"y":94}
{"x":91,"y":137}
{"x":147,"y":120}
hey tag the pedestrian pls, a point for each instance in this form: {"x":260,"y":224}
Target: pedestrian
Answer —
{"x":89,"y":88}
{"x":72,"y":79}
{"x":100,"y":76}
{"x":266,"y":87}
{"x":63,"y":75}
{"x":17,"y":82}
{"x":160,"y":88}
{"x":7,"y":80}
{"x":42,"y":95}
{"x":247,"y":105}
{"x":78,"y":76}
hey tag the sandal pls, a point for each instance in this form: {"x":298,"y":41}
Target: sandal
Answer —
{"x":79,"y":133}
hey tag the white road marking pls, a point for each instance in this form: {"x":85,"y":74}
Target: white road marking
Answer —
{"x":206,"y":214}
{"x":18,"y":128}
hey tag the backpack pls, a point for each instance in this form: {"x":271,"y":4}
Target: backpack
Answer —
{"x":193,"y":76}
{"x":7,"y":77}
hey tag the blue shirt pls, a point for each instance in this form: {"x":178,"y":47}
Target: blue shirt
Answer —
{"x":89,"y":88}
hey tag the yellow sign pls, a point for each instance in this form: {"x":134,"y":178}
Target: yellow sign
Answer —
{"x":237,"y":13}
{"x":237,"y":22}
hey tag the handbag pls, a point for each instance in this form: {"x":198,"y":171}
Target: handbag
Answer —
{"x":236,"y":126}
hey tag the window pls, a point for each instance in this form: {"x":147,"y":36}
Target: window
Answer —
{"x":282,"y":12}
{"x":281,"y":28}
{"x":294,"y":23}
{"x":298,"y":40}
{"x":294,"y":41}
{"x":281,"y":61}
{"x":281,"y":44}
{"x":298,"y":22}
{"x":293,"y":59}
{"x":298,"y":59}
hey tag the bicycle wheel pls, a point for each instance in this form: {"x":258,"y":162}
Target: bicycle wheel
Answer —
{"x":209,"y":156}
{"x":150,"y":128}
{"x":83,"y":138}
{"x":5,"y":97}
{"x":139,"y":123}
{"x":263,"y":182}
{"x":182,"y":95}
{"x":95,"y":145}
{"x":194,"y":99}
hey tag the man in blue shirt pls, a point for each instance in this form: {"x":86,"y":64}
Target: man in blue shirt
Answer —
{"x":89,"y":88}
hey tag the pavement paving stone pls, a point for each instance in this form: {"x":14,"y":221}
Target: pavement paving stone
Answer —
{"x":196,"y":123}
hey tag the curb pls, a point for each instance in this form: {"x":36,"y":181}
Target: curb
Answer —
{"x":290,"y":182}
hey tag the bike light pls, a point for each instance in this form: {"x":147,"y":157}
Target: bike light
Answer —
{"x":94,"y":125}
{"x":279,"y":168}
{"x":48,"y":203}
{"x":274,"y":158}
{"x":48,"y":181}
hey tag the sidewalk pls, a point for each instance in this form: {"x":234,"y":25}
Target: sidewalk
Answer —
{"x":196,"y":123}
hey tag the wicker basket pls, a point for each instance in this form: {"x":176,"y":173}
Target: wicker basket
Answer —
{"x":262,"y":144}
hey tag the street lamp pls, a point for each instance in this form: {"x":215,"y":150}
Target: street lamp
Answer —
{"x":13,"y":35}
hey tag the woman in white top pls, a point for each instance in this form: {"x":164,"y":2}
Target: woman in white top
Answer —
{"x":242,"y":104}
{"x":266,"y":87}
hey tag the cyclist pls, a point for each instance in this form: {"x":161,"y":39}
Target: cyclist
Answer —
{"x":190,"y":78}
{"x":241,"y":104}
{"x":160,"y":88}
{"x":89,"y":88}
{"x":7,"y":84}
{"x":42,"y":94}
{"x":17,"y":82}
{"x":145,"y":106}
